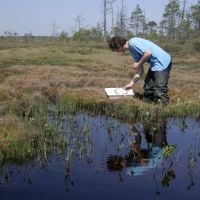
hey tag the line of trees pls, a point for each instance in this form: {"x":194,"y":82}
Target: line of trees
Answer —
{"x":177,"y":23}
{"x":180,"y":22}
{"x":180,"y":25}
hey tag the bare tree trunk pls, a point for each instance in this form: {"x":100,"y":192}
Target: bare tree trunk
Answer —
{"x":122,"y":19}
{"x":104,"y":17}
{"x":111,"y":2}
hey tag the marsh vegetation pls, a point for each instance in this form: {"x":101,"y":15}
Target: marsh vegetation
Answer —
{"x":44,"y":83}
{"x":72,"y":76}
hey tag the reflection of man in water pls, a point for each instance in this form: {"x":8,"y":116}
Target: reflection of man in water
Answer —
{"x":155,"y":133}
{"x":140,"y":159}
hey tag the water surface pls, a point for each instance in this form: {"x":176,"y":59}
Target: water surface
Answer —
{"x":99,"y":162}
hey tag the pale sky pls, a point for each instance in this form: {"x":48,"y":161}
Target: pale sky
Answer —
{"x":38,"y":16}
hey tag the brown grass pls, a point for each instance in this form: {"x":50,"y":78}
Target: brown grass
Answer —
{"x":86,"y":76}
{"x":89,"y":81}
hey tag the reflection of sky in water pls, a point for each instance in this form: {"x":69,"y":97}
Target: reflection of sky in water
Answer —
{"x":88,"y":176}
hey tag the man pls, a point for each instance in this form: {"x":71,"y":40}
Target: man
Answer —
{"x":142,"y":50}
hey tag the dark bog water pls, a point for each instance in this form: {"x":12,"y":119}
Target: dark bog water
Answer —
{"x":108,"y":159}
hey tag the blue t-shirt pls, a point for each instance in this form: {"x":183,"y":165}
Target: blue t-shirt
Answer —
{"x":159,"y":59}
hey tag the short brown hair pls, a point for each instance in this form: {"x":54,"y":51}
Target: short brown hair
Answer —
{"x":116,"y":42}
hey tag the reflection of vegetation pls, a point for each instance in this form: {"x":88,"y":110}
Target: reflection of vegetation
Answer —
{"x":168,"y":172}
{"x":168,"y":151}
{"x":68,"y":181}
{"x":190,"y":166}
{"x":168,"y":176}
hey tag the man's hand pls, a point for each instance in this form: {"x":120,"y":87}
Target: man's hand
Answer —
{"x":137,"y":76}
{"x":129,"y":86}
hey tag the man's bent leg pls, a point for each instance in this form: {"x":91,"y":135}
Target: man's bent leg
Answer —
{"x":149,"y":86}
{"x":161,"y":86}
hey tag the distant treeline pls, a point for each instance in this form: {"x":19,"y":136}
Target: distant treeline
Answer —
{"x":180,"y":22}
{"x":90,"y":38}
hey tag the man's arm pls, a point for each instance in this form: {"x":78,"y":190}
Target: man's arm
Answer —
{"x":139,"y":69}
{"x":136,"y":77}
{"x":142,"y":60}
{"x":138,"y":74}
